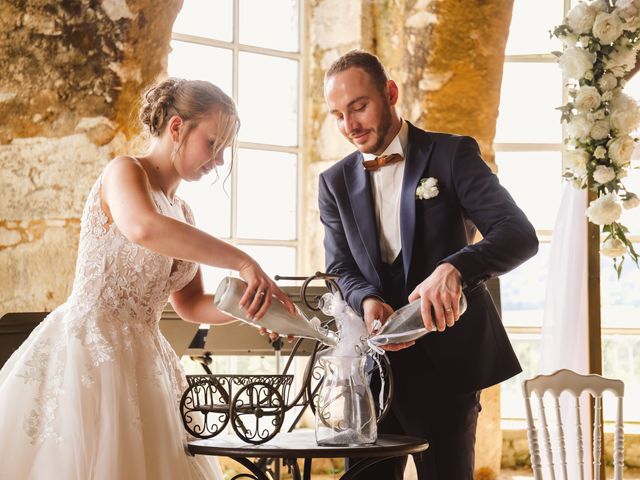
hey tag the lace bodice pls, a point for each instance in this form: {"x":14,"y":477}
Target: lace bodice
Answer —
{"x":120,"y":277}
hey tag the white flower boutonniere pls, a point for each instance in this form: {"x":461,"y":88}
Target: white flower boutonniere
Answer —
{"x":427,"y":188}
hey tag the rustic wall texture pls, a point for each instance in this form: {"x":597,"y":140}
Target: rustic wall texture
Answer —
{"x":447,"y":58}
{"x":72,"y":73}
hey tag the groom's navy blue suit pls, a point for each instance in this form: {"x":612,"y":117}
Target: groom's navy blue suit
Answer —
{"x":437,"y":381}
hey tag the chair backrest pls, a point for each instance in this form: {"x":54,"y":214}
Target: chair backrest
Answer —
{"x":575,"y":384}
{"x":14,"y":329}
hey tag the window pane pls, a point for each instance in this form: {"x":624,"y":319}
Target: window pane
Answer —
{"x":530,"y":25}
{"x":534,"y":179}
{"x":268,"y":99}
{"x":267,"y":196}
{"x":210,"y":200}
{"x":522,"y":291}
{"x":527,"y":110}
{"x":205,"y":18}
{"x":280,"y":32}
{"x":212,"y":276}
{"x":273,"y":260}
{"x":527,"y":348}
{"x":621,"y":358}
{"x":620,"y":300}
{"x":201,"y":62}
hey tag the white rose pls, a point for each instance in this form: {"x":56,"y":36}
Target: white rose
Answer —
{"x":604,"y":210}
{"x":599,"y":6}
{"x":580,"y":18}
{"x":576,"y":161}
{"x":620,"y":60}
{"x":631,"y":25}
{"x":621,"y":149}
{"x":587,"y":98}
{"x":625,"y":114}
{"x":607,"y":27}
{"x":604,"y":174}
{"x":613,"y":247}
{"x":600,"y":152}
{"x":600,"y":130}
{"x":576,"y":62}
{"x":608,"y":81}
{"x":632,"y":201}
{"x":579,"y":126}
{"x":626,"y":9}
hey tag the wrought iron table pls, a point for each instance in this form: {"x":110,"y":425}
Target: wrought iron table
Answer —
{"x":302,"y":444}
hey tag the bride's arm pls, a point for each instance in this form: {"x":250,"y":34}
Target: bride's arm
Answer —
{"x":193,"y":305}
{"x":129,"y":203}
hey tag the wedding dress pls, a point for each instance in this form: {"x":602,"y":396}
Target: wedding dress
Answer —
{"x":93,"y":393}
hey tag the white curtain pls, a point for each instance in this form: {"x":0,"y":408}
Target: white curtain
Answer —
{"x":565,"y":336}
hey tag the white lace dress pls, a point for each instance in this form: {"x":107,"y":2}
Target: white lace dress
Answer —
{"x":93,"y":393}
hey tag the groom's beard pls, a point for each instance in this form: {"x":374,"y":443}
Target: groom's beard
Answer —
{"x":382,"y":129}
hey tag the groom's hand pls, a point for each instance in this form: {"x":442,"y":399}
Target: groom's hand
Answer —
{"x":373,"y":308}
{"x":441,"y":292}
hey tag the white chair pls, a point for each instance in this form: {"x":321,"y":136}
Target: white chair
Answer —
{"x":575,"y":384}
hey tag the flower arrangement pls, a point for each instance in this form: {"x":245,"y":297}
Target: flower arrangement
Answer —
{"x":602,"y":40}
{"x":428,"y":188}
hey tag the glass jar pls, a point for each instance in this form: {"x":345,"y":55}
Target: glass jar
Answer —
{"x":345,"y":412}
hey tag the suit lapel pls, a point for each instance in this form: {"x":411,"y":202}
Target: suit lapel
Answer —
{"x":418,"y":155}
{"x":359,"y":189}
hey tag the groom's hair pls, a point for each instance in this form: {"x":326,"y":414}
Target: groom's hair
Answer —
{"x":363,"y":60}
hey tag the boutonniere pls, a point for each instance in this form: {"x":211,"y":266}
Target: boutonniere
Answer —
{"x":427,"y":188}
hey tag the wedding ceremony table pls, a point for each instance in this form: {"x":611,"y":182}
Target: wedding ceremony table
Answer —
{"x":302,"y":444}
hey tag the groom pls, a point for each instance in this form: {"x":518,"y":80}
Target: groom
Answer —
{"x":400,"y":215}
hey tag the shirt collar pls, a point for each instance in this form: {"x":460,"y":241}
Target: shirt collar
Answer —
{"x":398,"y":144}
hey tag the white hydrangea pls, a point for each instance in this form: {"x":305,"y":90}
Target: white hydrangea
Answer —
{"x":581,"y":18}
{"x":576,"y":62}
{"x":579,"y":126}
{"x":604,"y":210}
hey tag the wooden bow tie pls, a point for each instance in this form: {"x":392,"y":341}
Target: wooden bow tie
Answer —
{"x":376,"y":163}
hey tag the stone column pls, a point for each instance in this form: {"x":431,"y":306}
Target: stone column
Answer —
{"x":73,"y":72}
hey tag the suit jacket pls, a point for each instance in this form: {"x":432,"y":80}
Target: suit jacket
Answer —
{"x":476,"y":352}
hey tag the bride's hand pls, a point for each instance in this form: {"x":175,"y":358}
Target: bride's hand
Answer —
{"x":260,"y":288}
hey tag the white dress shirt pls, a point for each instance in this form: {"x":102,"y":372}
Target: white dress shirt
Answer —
{"x":386,"y":184}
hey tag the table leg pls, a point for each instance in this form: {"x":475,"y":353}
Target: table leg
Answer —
{"x":307,"y":469}
{"x":361,"y":465}
{"x":292,"y":463}
{"x":249,"y":465}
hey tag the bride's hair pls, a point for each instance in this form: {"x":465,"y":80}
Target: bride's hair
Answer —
{"x":191,"y":100}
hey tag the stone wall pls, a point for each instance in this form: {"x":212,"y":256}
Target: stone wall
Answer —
{"x":72,"y":75}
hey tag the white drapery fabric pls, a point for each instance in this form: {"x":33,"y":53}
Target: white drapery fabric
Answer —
{"x":565,"y":329}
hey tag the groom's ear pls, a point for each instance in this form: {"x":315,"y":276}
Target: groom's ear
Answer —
{"x":392,"y":92}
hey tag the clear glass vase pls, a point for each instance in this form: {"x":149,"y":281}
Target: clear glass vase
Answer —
{"x":406,"y":325}
{"x":345,"y":412}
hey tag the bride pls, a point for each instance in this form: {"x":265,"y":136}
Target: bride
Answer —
{"x":93,"y":392}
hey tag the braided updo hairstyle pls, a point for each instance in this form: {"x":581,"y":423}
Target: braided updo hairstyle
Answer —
{"x":191,"y":100}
